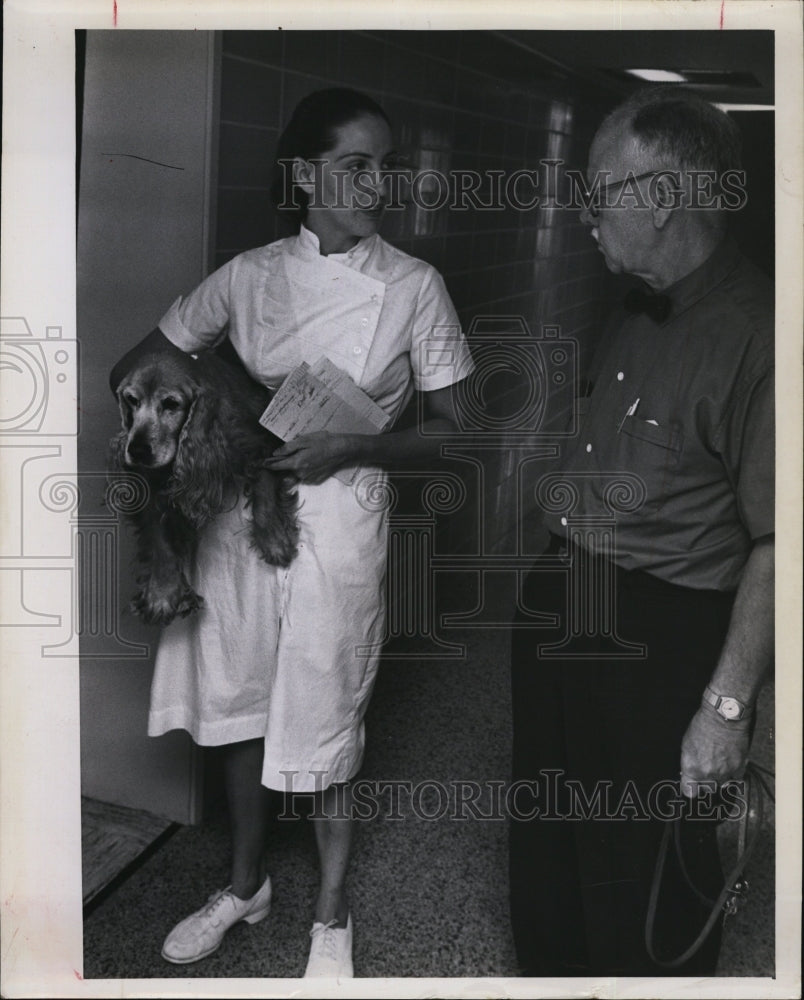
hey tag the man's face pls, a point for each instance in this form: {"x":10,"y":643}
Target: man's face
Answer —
{"x":623,"y":230}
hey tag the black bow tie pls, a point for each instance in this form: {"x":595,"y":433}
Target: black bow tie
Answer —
{"x":658,"y":307}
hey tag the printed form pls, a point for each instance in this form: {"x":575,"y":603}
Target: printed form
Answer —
{"x":321,"y":397}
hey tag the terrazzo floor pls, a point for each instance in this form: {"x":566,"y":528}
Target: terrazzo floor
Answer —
{"x":429,"y":897}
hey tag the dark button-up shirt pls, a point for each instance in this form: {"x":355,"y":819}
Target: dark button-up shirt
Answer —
{"x":686,"y":408}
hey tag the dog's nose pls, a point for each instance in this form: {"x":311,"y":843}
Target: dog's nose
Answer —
{"x":139,"y":451}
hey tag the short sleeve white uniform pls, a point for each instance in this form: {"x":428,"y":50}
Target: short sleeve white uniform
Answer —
{"x":290,"y":655}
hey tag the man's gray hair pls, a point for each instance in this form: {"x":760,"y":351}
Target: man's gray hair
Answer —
{"x":684,"y":131}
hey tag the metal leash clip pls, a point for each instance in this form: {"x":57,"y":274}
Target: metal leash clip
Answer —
{"x":736,"y":898}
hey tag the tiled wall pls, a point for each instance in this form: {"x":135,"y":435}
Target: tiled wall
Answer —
{"x":458,"y":100}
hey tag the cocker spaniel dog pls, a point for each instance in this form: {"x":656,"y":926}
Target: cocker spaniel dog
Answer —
{"x":190,"y":427}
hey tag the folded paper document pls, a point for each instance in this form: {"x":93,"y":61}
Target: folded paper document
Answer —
{"x":321,"y":397}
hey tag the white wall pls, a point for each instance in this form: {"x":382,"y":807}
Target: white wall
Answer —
{"x":143,"y":239}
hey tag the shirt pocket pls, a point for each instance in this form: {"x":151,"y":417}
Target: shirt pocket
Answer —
{"x":652,"y":451}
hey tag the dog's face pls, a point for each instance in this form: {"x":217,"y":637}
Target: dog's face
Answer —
{"x":156,"y":400}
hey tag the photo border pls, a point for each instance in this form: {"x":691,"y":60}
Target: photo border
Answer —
{"x":40,"y":873}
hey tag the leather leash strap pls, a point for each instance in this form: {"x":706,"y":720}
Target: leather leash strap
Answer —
{"x":754,"y":777}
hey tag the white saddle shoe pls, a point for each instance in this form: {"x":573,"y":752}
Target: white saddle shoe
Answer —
{"x":331,"y":951}
{"x":203,"y":931}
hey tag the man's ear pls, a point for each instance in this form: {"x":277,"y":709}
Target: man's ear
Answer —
{"x":665,"y":197}
{"x":303,"y":175}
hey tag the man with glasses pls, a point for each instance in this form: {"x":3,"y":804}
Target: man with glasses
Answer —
{"x":619,"y":729}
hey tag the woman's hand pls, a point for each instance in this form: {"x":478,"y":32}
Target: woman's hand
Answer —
{"x":312,"y":458}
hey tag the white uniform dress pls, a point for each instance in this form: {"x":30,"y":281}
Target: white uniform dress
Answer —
{"x":274,"y":653}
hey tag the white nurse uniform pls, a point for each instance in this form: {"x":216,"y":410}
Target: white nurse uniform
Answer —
{"x":274,"y":653}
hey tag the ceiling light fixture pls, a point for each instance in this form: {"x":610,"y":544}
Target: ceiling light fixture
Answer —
{"x":744,"y":107}
{"x":657,"y":75}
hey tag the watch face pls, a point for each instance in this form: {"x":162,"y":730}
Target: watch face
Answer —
{"x":729,"y":708}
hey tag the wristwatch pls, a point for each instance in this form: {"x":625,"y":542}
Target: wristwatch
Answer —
{"x":731,"y":709}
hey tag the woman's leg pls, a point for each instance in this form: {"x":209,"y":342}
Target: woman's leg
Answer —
{"x":248,"y":814}
{"x":333,"y":834}
{"x":249,"y":897}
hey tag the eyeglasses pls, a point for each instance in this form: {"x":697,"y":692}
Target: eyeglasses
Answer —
{"x":593,"y":197}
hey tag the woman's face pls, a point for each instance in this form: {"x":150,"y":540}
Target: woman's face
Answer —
{"x":345,"y":184}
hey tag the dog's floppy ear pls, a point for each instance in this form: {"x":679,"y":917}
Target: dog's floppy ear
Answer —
{"x":126,"y":418}
{"x":117,"y":451}
{"x":117,"y":445}
{"x":202,"y":466}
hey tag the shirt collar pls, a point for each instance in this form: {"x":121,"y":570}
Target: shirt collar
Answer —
{"x":693,"y":286}
{"x":308,"y":246}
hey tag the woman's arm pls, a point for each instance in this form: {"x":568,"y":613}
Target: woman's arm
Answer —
{"x":155,"y":343}
{"x":312,"y":458}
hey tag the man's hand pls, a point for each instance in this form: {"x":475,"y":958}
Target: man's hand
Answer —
{"x":312,"y":458}
{"x":713,"y":750}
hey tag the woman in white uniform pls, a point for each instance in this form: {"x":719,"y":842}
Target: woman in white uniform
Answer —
{"x":279,"y":665}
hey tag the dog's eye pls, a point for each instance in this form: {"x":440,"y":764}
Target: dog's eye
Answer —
{"x":131,"y":401}
{"x":171,"y":405}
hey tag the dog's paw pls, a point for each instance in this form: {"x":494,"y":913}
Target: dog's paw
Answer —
{"x":276,"y":540}
{"x":274,"y":528}
{"x":279,"y":546}
{"x":189,"y":604}
{"x":160,"y":607}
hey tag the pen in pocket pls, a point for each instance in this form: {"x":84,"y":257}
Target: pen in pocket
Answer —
{"x":629,"y":413}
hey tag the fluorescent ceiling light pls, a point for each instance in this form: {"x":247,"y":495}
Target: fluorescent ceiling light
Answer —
{"x":657,"y":75}
{"x":745,"y":107}
{"x":694,"y":77}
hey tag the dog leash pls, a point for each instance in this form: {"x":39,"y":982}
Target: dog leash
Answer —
{"x":735,"y":886}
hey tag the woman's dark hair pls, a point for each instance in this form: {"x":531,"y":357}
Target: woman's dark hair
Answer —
{"x":309,"y":133}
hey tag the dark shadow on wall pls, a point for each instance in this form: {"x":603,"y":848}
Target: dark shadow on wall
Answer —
{"x":754,"y":227}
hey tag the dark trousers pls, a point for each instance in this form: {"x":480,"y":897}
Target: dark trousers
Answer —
{"x":600,"y":738}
